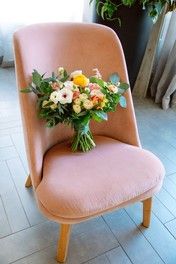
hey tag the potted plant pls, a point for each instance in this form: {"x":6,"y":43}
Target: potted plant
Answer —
{"x":132,"y":21}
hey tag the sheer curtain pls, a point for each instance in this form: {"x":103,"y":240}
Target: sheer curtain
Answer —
{"x":163,"y":87}
{"x":17,"y":13}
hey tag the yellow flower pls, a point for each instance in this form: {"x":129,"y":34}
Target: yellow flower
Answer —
{"x":81,"y":80}
{"x":77,"y":108}
{"x":44,"y":104}
{"x":53,"y":106}
{"x":88,"y":104}
{"x":77,"y":101}
{"x":83,"y":97}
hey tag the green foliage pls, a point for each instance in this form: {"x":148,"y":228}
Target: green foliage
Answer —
{"x":108,"y":9}
{"x":99,"y":116}
{"x":102,"y":97}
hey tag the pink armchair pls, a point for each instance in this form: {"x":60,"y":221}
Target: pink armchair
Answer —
{"x":74,"y":187}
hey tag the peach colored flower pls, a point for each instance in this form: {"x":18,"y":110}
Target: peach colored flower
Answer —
{"x":94,"y":86}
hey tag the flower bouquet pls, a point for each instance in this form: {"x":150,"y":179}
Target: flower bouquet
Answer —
{"x":74,"y":99}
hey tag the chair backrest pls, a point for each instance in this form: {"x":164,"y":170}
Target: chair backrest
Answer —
{"x":74,"y":46}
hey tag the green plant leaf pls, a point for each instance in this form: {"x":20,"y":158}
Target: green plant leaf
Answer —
{"x":124,"y":86}
{"x":36,"y":78}
{"x":114,"y":78}
{"x":26,"y":90}
{"x":122,"y":102}
{"x":99,"y":116}
{"x":97,"y":80}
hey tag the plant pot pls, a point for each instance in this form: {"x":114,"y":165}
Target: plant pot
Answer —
{"x":133,"y":33}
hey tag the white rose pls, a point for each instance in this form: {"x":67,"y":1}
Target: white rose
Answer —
{"x":65,"y":96}
{"x":68,"y":85}
{"x":54,"y":97}
{"x":77,"y":108}
{"x":77,"y":101}
{"x":75,"y":73}
{"x":88,"y":104}
{"x":83,"y":96}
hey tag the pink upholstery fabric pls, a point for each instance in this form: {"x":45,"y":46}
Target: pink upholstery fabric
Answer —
{"x":81,"y":185}
{"x":75,"y":46}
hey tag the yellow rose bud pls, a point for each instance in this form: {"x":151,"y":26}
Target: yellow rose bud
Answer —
{"x":53,"y":106}
{"x":81,"y":80}
{"x":44,"y":104}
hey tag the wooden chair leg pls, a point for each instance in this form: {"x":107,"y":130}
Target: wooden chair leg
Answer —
{"x":63,"y":242}
{"x":28,"y":182}
{"x":147,"y":209}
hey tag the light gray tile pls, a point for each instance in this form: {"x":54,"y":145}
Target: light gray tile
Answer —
{"x":26,"y":194}
{"x":118,"y":255}
{"x":10,"y":124}
{"x":170,"y":186}
{"x":167,"y":200}
{"x":10,"y":131}
{"x":131,"y":239}
{"x":99,"y":260}
{"x":45,"y":256}
{"x":172,"y":227}
{"x":8,"y":153}
{"x":158,"y":236}
{"x":4,"y":224}
{"x":28,"y":241}
{"x":161,"y":211}
{"x":91,"y":243}
{"x":6,"y":183}
{"x":18,"y":141}
{"x":172,"y":178}
{"x":14,"y":210}
{"x":5,"y":141}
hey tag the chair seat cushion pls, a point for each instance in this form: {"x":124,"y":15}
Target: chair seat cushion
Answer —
{"x":79,"y":185}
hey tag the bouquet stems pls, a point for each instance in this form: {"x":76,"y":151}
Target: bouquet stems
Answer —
{"x":83,"y":139}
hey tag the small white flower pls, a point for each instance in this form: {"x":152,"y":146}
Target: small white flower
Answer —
{"x":87,"y":89}
{"x":68,"y":85}
{"x":75,"y":73}
{"x":97,"y":73}
{"x":60,"y":71}
{"x":65,"y":96}
{"x":77,"y":108}
{"x":54,"y":97}
{"x":83,"y":96}
{"x":88,"y":104}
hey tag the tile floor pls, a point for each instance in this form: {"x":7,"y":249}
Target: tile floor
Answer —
{"x":27,"y":237}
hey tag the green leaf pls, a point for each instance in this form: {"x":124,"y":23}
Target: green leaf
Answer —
{"x":97,"y":80}
{"x":26,"y":90}
{"x":122,"y":102}
{"x":99,"y":116}
{"x":36,"y":78}
{"x":124,"y":86}
{"x":128,"y":2}
{"x":114,"y":78}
